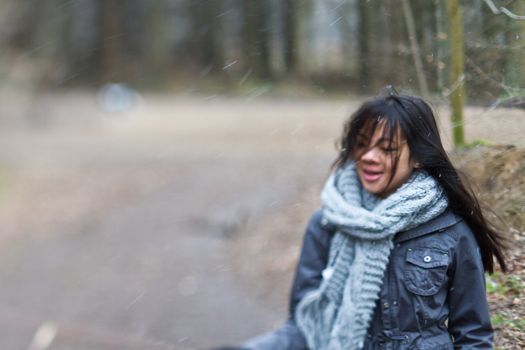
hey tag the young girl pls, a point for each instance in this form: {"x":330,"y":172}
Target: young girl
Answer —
{"x":395,"y":258}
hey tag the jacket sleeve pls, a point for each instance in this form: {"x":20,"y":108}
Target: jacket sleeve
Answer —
{"x":312,"y":260}
{"x":469,"y":320}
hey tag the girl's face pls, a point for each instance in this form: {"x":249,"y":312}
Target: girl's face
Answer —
{"x":375,"y":156}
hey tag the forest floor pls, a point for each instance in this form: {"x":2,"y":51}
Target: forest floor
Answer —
{"x":502,"y":189}
{"x":177,"y":224}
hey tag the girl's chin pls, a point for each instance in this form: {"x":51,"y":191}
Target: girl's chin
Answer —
{"x":377,"y":188}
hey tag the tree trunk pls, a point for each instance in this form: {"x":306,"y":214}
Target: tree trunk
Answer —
{"x":442,"y":44}
{"x":290,"y":35}
{"x":365,"y":44}
{"x":255,"y":38}
{"x":457,"y":71}
{"x":111,"y":37}
{"x":80,"y":41}
{"x":21,"y":33}
{"x":515,"y":40}
{"x":416,"y":55}
{"x":155,"y":44}
{"x":206,"y":31}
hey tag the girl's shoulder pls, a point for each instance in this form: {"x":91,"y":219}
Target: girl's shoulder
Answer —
{"x":447,"y":233}
{"x":446,"y":222}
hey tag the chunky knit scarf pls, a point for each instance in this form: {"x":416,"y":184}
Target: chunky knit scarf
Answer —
{"x":336,"y":316}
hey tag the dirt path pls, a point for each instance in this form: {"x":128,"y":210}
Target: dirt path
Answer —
{"x":140,"y":262}
{"x":151,"y":267}
{"x":121,"y":231}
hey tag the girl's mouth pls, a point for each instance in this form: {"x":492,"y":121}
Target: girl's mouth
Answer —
{"x":371,"y":176}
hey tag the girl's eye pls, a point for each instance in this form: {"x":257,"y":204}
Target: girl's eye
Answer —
{"x":389,"y":149}
{"x":361,"y":144}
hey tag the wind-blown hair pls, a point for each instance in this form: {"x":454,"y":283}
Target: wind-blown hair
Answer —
{"x":415,"y":120}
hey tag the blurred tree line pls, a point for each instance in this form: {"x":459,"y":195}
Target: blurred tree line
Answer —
{"x":331,"y":44}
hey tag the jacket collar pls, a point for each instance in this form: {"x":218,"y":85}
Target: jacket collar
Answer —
{"x":439,"y":223}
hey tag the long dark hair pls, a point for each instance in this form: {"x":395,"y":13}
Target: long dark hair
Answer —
{"x":415,"y":119}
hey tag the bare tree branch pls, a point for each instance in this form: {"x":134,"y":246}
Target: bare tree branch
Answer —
{"x":409,"y":19}
{"x":502,"y":10}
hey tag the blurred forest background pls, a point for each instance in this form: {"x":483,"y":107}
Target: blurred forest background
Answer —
{"x":231,"y":45}
{"x":159,"y":159}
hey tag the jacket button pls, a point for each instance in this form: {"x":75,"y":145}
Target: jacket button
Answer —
{"x":427,"y":258}
{"x":324,"y":221}
{"x":386,"y":305}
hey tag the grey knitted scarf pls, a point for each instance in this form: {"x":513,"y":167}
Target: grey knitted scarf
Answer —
{"x":336,"y":316}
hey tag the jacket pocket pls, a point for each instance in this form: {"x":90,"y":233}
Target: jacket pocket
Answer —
{"x":425,"y":270}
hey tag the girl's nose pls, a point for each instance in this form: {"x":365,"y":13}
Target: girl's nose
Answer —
{"x":371,"y":155}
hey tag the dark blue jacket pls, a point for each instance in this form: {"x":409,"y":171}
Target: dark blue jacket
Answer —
{"x":433,"y":294}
